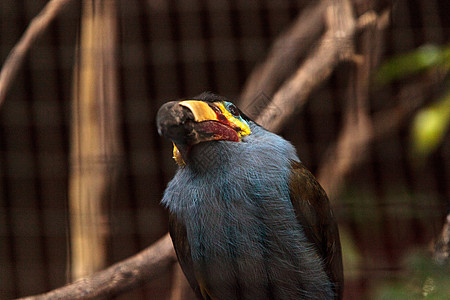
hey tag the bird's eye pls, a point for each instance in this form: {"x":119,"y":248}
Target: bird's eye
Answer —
{"x":233,"y":110}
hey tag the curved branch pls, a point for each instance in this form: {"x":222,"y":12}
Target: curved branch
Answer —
{"x":120,"y":277}
{"x":181,"y":290}
{"x":290,"y":47}
{"x":335,"y":45}
{"x":35,"y":30}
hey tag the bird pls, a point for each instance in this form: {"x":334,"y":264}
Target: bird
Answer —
{"x":246,"y":217}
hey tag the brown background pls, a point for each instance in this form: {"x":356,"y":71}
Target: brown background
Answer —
{"x":173,"y":49}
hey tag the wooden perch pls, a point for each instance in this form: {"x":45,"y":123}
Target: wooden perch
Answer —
{"x":120,"y":277}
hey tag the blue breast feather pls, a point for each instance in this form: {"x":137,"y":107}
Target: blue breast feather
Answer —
{"x":240,"y":223}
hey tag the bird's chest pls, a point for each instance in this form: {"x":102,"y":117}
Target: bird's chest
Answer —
{"x":229,"y":249}
{"x":246,"y":242}
{"x":238,"y":228}
{"x":225,"y":230}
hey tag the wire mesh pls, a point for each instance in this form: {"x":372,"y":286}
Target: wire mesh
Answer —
{"x":173,"y":49}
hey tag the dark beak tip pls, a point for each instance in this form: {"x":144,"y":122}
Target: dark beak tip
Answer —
{"x":173,"y":114}
{"x":171,"y":120}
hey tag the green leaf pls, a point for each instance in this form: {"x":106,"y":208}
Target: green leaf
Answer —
{"x":430,"y":126}
{"x":419,"y":60}
{"x":350,"y":255}
{"x":422,"y":278}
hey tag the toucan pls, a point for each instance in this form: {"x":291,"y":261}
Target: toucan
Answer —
{"x":246,"y":217}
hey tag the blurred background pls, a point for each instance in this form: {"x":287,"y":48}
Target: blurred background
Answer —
{"x":390,"y":205}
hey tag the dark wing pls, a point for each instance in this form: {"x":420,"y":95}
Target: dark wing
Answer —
{"x":180,"y":242}
{"x":314,"y":213}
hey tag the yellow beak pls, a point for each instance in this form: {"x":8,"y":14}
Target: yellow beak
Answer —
{"x":204,"y":112}
{"x":201,"y":110}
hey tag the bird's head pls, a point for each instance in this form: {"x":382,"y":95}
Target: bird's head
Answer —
{"x":204,"y":118}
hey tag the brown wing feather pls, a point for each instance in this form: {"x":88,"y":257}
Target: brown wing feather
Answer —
{"x":180,"y":242}
{"x":314,"y":213}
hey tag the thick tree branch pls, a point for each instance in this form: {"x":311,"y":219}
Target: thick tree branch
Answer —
{"x":355,"y":136}
{"x":282,"y":59}
{"x":335,"y":45}
{"x":34,"y":31}
{"x":181,"y":290}
{"x":120,"y":277}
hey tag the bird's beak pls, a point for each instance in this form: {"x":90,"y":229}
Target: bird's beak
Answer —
{"x":190,"y":122}
{"x":201,"y":110}
{"x":215,"y":118}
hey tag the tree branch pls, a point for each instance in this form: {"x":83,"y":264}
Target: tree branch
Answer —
{"x":288,"y":49}
{"x":34,"y":31}
{"x":349,"y":150}
{"x":336,"y":45}
{"x":120,"y":277}
{"x":351,"y":146}
{"x":181,"y":290}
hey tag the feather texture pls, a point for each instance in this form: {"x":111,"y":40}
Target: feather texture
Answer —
{"x":238,"y":231}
